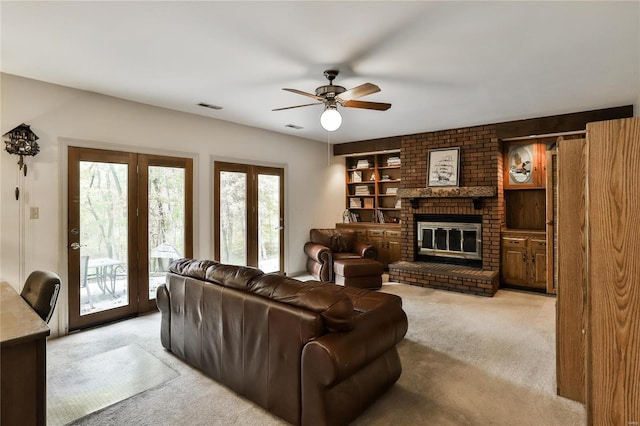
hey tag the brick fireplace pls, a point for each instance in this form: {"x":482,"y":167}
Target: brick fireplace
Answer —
{"x":479,"y":194}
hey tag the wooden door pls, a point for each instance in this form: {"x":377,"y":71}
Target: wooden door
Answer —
{"x":102,"y":235}
{"x":129,"y":215}
{"x":249,"y":215}
{"x":571,"y":264}
{"x":613,"y":268}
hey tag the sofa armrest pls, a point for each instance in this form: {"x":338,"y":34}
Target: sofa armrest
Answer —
{"x":317,"y":252}
{"x":366,"y":251}
{"x":163,"y":301}
{"x":336,"y":356}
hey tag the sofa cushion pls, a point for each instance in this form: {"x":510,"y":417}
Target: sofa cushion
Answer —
{"x":326,"y":299}
{"x":212,"y":271}
{"x":232,"y":276}
{"x":191,"y":268}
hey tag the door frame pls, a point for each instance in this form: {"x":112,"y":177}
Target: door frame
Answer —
{"x":139,"y":301}
{"x":252,"y":220}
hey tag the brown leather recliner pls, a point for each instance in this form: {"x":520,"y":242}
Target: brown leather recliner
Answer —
{"x":328,"y":245}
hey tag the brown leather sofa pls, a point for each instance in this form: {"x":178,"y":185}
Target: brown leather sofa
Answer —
{"x":311,"y":353}
{"x":328,"y":245}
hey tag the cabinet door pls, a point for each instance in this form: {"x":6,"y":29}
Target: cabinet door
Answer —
{"x":538,"y":253}
{"x":524,"y":165}
{"x":362,"y":235}
{"x":376,"y":239}
{"x":514,"y":261}
{"x":393,"y":245}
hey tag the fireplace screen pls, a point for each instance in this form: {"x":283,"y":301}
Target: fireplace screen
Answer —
{"x":450,"y":239}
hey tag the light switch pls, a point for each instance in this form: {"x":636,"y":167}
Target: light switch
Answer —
{"x":34,"y":213}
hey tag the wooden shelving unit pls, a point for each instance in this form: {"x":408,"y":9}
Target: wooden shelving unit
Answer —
{"x":372,"y":183}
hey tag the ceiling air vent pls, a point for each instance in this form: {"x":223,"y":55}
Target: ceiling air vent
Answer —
{"x":293,"y":126}
{"x":216,"y":107}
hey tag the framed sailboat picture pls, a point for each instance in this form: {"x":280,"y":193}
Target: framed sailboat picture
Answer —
{"x":443,"y":167}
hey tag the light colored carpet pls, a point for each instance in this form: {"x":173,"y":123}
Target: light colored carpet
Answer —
{"x":467,"y":360}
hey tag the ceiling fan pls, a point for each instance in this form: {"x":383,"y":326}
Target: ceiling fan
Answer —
{"x":331,"y":96}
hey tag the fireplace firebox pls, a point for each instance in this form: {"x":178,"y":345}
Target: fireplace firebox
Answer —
{"x":454,"y":239}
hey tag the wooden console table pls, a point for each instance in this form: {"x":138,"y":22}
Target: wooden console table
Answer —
{"x":23,"y":339}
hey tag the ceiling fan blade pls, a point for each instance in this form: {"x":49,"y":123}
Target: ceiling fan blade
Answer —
{"x":297,"y":106}
{"x":379,"y":106}
{"x":358,"y":92}
{"x":300,"y":92}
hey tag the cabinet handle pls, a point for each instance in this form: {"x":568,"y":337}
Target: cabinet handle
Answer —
{"x":524,"y":257}
{"x":533,"y":258}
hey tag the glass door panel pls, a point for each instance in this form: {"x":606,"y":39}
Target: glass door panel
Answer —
{"x":103,"y":236}
{"x":166,"y":216}
{"x":233,"y":217}
{"x":269,"y":222}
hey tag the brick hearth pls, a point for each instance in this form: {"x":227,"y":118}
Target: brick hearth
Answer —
{"x":480,"y":166}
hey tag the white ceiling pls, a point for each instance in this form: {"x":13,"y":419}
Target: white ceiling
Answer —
{"x":441,"y":64}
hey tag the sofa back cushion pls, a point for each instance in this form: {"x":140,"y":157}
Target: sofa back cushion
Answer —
{"x":325,"y":299}
{"x":216,"y":272}
{"x":339,"y":241}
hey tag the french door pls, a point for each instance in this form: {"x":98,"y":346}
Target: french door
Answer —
{"x":249,"y":215}
{"x":129,"y":215}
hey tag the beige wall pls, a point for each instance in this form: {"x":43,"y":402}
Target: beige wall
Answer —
{"x":61,"y":116}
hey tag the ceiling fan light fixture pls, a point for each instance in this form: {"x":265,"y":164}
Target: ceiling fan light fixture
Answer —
{"x":331,"y":120}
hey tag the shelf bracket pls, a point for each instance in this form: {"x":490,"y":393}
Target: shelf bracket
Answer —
{"x":477,"y":203}
{"x":415,"y":202}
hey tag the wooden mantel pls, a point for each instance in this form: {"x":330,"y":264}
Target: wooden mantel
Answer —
{"x":476,"y":193}
{"x":458,"y":192}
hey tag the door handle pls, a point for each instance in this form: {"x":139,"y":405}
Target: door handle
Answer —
{"x":76,"y":246}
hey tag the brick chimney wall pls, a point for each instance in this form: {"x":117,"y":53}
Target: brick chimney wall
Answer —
{"x":480,"y":165}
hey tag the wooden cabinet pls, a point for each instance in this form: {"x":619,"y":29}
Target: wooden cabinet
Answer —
{"x":514,"y":260}
{"x":384,"y":237}
{"x":524,"y":164}
{"x":524,"y":259}
{"x":393,"y":239}
{"x":372,"y":182}
{"x":23,"y":368}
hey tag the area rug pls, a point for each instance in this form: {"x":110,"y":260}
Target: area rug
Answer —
{"x":83,"y":387}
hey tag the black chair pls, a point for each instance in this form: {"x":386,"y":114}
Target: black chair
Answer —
{"x":41,"y":292}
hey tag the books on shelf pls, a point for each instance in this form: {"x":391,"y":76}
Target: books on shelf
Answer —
{"x":362,"y":190}
{"x":368,"y":203}
{"x":398,"y":203}
{"x":393,"y":161}
{"x":363,"y":164}
{"x":392,"y":191}
{"x":356,"y":176}
{"x":355,"y":203}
